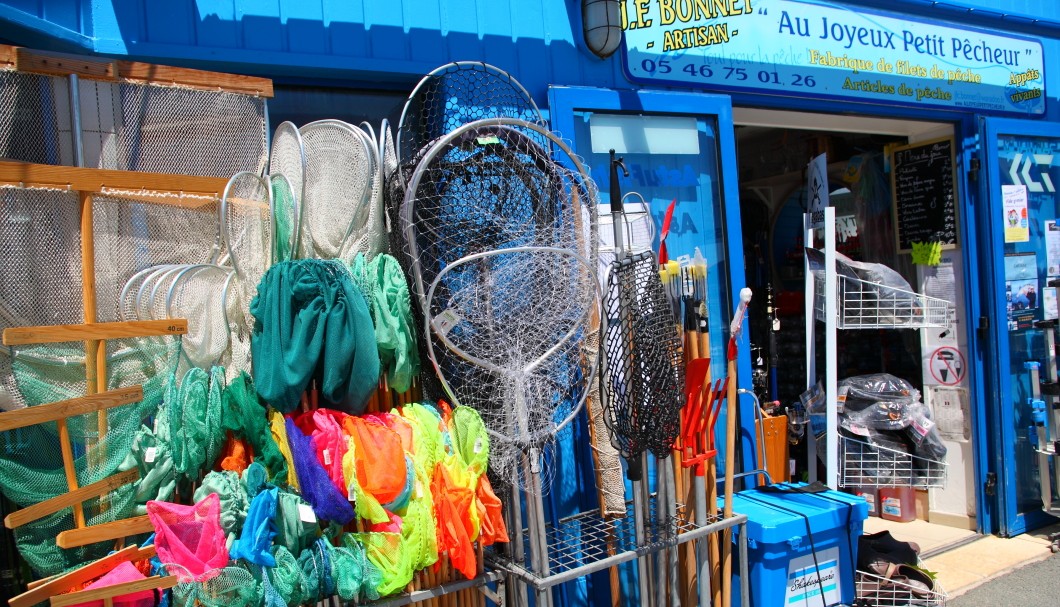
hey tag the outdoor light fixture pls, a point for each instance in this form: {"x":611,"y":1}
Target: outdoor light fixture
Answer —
{"x":602,"y":25}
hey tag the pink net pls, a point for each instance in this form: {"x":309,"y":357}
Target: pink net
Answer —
{"x":125,"y":572}
{"x":189,"y":537}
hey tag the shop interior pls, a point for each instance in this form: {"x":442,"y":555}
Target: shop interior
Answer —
{"x":773,"y":149}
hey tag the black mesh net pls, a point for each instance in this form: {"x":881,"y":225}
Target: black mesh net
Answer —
{"x":456,"y":94}
{"x":643,"y":353}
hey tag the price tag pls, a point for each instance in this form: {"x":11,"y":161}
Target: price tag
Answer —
{"x":327,"y":457}
{"x":149,"y":454}
{"x":444,"y":322}
{"x":478,"y":446}
{"x":305,"y":512}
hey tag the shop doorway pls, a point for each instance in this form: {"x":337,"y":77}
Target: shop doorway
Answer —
{"x":773,"y":150}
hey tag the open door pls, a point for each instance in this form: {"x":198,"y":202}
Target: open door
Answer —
{"x":1020,"y":257}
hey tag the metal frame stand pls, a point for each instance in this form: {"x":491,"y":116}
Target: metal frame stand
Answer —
{"x":586,"y":543}
{"x":1045,"y":414}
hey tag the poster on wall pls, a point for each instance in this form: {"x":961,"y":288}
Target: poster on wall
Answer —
{"x":1049,"y":309}
{"x":817,"y":48}
{"x":1021,"y":290}
{"x":1014,"y":210}
{"x":1052,"y":248}
{"x":817,"y":189}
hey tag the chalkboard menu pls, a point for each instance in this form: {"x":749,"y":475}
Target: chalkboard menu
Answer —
{"x":925,"y":199}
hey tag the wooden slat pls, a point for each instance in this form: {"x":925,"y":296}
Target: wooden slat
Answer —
{"x":31,"y":513}
{"x":100,"y":68}
{"x":20,"y":418}
{"x":8,"y":55}
{"x":34,"y":583}
{"x":144,"y":553}
{"x":71,"y":480}
{"x":164,"y":74}
{"x":64,"y":64}
{"x":101,"y":533}
{"x":50,"y":334}
{"x":96,"y":180}
{"x":62,"y":583}
{"x":152,"y":583}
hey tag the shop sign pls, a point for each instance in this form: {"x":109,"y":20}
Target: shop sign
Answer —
{"x":820,"y":49}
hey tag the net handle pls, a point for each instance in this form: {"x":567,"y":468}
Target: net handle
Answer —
{"x":126,"y":290}
{"x":157,"y":272}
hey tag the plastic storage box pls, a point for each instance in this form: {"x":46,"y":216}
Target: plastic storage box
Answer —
{"x":800,"y":546}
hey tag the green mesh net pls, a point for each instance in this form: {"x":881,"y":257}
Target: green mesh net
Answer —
{"x":293,"y":531}
{"x":283,"y":211}
{"x":387,"y":552}
{"x":36,"y":540}
{"x":193,"y":408}
{"x":234,"y":500}
{"x":158,"y":478}
{"x":385,"y":288}
{"x":31,"y":466}
{"x":244,"y":415}
{"x":362,"y":569}
{"x":470,"y":439}
{"x":418,"y":528}
{"x":232,"y":586}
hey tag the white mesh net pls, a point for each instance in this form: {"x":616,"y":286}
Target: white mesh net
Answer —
{"x":338,"y":207}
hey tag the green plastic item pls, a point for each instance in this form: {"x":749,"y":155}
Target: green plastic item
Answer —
{"x":311,"y":322}
{"x":245,"y":416}
{"x":386,"y":288}
{"x":234,"y":500}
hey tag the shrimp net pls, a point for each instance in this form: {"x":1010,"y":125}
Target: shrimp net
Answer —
{"x":338,"y":206}
{"x":503,"y":255}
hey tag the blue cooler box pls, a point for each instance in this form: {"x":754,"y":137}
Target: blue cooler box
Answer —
{"x":789,"y":566}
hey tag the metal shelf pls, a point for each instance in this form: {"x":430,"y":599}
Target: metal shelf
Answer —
{"x":867,"y":305}
{"x":866,"y":465}
{"x":877,"y":591}
{"x":436,"y":591}
{"x":587,"y":543}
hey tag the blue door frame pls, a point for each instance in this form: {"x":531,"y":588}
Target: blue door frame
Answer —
{"x":1010,"y":518}
{"x":566,"y":102}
